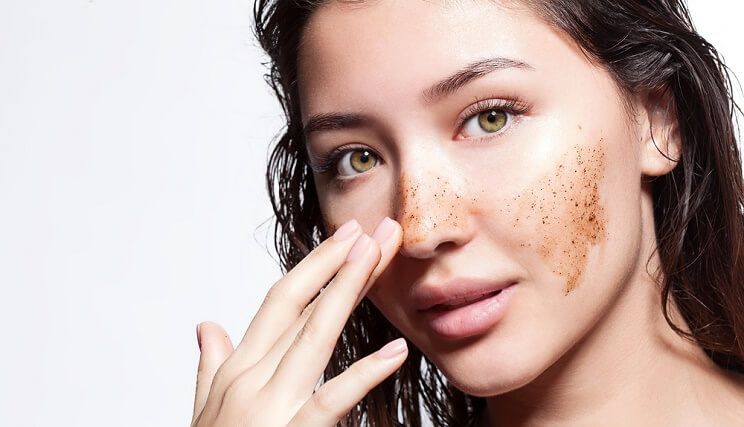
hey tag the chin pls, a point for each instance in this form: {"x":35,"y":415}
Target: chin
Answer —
{"x":481,"y":371}
{"x":491,"y":383}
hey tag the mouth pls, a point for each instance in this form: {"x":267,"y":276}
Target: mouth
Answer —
{"x":463,"y":301}
{"x":456,"y":292}
{"x":469,"y":316}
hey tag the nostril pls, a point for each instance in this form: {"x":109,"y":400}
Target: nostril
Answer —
{"x":427,"y":245}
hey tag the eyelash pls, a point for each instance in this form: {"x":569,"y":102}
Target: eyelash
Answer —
{"x":326,"y":162}
{"x":514,"y":107}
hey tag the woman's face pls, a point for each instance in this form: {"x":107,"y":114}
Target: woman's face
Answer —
{"x":542,"y":189}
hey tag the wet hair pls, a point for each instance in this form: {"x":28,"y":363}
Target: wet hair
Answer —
{"x":646,"y":46}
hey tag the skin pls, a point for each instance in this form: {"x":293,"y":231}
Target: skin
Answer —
{"x":558,"y":200}
{"x":270,"y":378}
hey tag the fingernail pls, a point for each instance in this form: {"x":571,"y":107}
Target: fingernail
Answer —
{"x":346,"y":230}
{"x":198,"y":335}
{"x":393,"y":348}
{"x":383,"y":230}
{"x":360,"y":247}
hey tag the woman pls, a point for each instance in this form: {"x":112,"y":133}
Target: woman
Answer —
{"x":554,"y":197}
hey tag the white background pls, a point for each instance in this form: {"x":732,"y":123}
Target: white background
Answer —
{"x":133,"y":142}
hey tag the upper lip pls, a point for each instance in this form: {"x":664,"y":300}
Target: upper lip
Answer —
{"x":427,"y":295}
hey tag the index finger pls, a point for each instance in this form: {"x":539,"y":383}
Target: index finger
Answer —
{"x":290,"y":295}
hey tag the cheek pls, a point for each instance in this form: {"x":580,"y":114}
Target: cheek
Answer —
{"x":367,"y":207}
{"x":563,"y":215}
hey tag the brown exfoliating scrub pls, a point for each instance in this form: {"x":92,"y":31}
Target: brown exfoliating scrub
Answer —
{"x":566,"y":209}
{"x":411,"y":218}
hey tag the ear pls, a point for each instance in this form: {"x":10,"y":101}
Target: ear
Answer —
{"x":661,"y":145}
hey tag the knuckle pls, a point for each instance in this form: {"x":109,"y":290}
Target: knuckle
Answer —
{"x":223,"y":371}
{"x":328,"y":402}
{"x":282,"y":293}
{"x":239,"y":392}
{"x":219,"y":375}
{"x":309,"y":333}
{"x":306,"y":333}
{"x":308,"y":309}
{"x":275,"y":292}
{"x":222,"y":378}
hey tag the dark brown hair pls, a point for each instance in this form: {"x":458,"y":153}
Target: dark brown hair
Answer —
{"x":646,"y":46}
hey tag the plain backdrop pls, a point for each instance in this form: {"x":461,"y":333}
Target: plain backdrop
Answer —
{"x":133,"y":143}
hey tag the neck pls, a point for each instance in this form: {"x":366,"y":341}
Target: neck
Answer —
{"x":631,"y":369}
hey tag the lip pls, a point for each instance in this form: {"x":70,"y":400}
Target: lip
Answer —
{"x":464,"y":307}
{"x":472,"y":319}
{"x":455,"y":291}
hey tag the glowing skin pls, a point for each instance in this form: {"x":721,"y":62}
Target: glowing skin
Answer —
{"x":554,"y":200}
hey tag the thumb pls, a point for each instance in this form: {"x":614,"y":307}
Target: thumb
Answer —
{"x":215,"y":346}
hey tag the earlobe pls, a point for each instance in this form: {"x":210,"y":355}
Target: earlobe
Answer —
{"x":661,"y":143}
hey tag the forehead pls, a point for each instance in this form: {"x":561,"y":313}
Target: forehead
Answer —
{"x":349,"y":52}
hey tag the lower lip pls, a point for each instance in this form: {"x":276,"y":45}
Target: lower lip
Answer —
{"x":472,"y":319}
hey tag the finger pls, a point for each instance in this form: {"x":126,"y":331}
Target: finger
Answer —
{"x":291,"y":294}
{"x":338,"y":396}
{"x":299,"y":369}
{"x":389,"y":235}
{"x":215,"y":346}
{"x":285,"y":301}
{"x":260,"y":373}
{"x":248,"y":382}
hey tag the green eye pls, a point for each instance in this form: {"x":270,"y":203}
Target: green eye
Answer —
{"x":359,"y":161}
{"x":489,"y":117}
{"x":492,"y":121}
{"x":487,"y":121}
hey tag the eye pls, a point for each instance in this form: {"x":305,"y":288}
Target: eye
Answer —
{"x":347,"y":160}
{"x":356,"y":161}
{"x":490,"y":116}
{"x":490,"y":121}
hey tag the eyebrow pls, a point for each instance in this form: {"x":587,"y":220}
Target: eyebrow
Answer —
{"x":439,"y":90}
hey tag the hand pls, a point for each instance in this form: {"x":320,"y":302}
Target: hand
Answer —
{"x":270,"y":378}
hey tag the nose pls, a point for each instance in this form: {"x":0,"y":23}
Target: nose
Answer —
{"x":434,"y":209}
